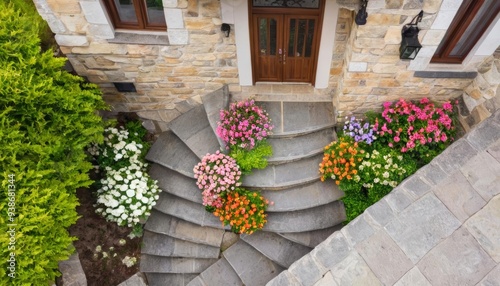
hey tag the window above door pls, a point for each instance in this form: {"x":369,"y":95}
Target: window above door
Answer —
{"x":137,"y":14}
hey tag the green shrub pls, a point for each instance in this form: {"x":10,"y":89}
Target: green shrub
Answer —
{"x":255,"y":158}
{"x":47,"y":117}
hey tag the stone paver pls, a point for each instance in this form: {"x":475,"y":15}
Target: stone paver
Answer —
{"x":357,"y":230}
{"x":136,"y":280}
{"x":413,"y":277}
{"x":485,"y":227}
{"x":422,"y":226}
{"x":311,"y":238}
{"x":459,"y":196}
{"x":398,"y":200}
{"x":353,"y":270}
{"x":72,"y":271}
{"x":332,"y":251}
{"x":482,"y":173}
{"x":307,"y":270}
{"x":492,"y":279}
{"x":458,"y":260}
{"x":387,"y":261}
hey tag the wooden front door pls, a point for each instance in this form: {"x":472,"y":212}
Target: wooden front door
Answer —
{"x":284,"y":47}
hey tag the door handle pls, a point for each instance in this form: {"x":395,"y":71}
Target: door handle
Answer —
{"x":284,"y":56}
{"x":280,"y":53}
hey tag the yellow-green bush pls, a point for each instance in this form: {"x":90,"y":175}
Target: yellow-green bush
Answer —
{"x":47,"y":117}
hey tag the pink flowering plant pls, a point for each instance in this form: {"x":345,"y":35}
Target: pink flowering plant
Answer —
{"x":421,"y":129}
{"x":243,"y":125}
{"x":215,"y":174}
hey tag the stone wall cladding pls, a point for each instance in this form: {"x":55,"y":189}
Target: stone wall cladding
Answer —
{"x":373,"y":72}
{"x":165,"y":76}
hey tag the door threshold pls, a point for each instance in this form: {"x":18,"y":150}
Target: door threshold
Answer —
{"x":282,"y":83}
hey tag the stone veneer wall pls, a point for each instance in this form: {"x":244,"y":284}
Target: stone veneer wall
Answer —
{"x":373,"y":72}
{"x":191,"y":59}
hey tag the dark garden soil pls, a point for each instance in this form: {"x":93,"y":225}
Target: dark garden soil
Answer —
{"x":92,"y":231}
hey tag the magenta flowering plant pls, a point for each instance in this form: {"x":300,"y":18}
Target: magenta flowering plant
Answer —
{"x":421,"y":129}
{"x":243,"y":125}
{"x":215,"y":174}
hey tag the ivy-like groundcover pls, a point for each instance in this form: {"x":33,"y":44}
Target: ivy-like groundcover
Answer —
{"x":47,"y":117}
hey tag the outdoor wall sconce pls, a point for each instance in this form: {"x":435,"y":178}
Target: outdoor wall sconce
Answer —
{"x":410,"y":46}
{"x":362,"y":14}
{"x":226,"y":29}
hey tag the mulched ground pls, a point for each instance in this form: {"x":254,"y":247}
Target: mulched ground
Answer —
{"x":93,"y":230}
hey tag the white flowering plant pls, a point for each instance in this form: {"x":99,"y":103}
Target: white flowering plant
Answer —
{"x":127,"y":193}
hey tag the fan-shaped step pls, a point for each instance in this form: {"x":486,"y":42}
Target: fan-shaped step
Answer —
{"x":301,"y":146}
{"x":299,"y":117}
{"x":277,"y":248}
{"x":169,"y":151}
{"x":302,"y":197}
{"x":163,"y":245}
{"x":161,"y":264}
{"x":186,"y":210}
{"x":213,"y":103}
{"x":175,"y":183}
{"x":170,"y":279}
{"x":320,"y":217}
{"x":253,"y":268}
{"x":195,"y":131}
{"x":285,"y":175}
{"x":311,"y":238}
{"x":174,"y":227}
{"x":219,"y":274}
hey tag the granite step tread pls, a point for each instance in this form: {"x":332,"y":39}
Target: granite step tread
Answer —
{"x":320,"y":217}
{"x":174,"y":279}
{"x":214,"y":102}
{"x":285,"y":175}
{"x":169,"y":151}
{"x":301,"y":146}
{"x":311,"y":238}
{"x":277,"y":248}
{"x":302,"y":197}
{"x":175,"y":183}
{"x":194,"y":129}
{"x":174,"y":227}
{"x":164,"y":245}
{"x":219,"y":274}
{"x":186,"y":210}
{"x":162,"y":264}
{"x":291,"y":118}
{"x":253,"y":268}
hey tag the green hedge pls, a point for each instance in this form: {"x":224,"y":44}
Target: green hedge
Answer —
{"x":47,"y":118}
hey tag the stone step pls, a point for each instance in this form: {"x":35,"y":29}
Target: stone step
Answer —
{"x":169,"y":151}
{"x":162,"y":264}
{"x":219,"y":274}
{"x":285,"y":175}
{"x":291,"y":118}
{"x":320,"y":217}
{"x":301,"y":146}
{"x":214,"y":102}
{"x":253,"y":268}
{"x":302,"y":197}
{"x":174,"y":227}
{"x":186,"y":210}
{"x":164,"y":245}
{"x":275,"y":247}
{"x":195,"y":131}
{"x":173,"y":279}
{"x":176,"y":184}
{"x":311,"y":238}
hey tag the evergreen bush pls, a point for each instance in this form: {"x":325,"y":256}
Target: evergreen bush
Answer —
{"x":47,"y":117}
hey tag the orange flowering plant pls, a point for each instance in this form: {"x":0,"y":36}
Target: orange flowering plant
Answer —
{"x":341,"y":160}
{"x":243,"y":210}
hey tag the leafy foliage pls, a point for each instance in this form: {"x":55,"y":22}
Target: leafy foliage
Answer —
{"x":47,"y":117}
{"x":252,"y":159}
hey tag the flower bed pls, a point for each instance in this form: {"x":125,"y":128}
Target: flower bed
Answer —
{"x":371,"y":158}
{"x":243,"y":128}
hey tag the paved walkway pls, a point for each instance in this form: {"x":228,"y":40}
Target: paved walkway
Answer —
{"x":440,"y":227}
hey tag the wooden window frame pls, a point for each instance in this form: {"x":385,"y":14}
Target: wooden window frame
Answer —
{"x":141,"y":13}
{"x":467,"y":12}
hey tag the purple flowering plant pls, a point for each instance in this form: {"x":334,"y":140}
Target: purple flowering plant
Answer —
{"x":359,"y":131}
{"x":243,"y":125}
{"x":215,"y":174}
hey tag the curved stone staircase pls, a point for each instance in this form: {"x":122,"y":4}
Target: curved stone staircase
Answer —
{"x":181,"y":244}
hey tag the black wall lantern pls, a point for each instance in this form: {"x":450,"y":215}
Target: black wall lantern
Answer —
{"x":410,"y":46}
{"x":226,"y":29}
{"x":362,"y":14}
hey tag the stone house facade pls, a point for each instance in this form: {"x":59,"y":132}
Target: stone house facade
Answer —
{"x":356,"y":67}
